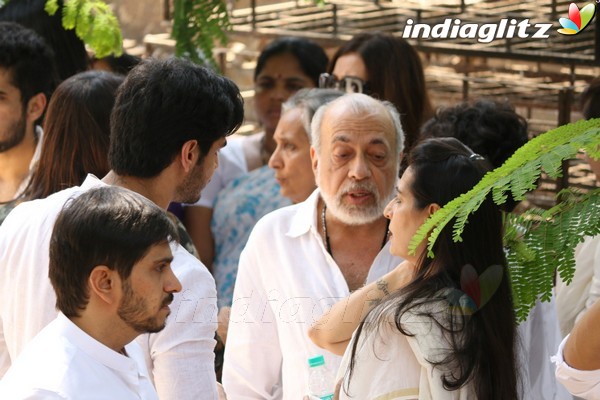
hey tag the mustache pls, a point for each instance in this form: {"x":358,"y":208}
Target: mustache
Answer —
{"x":168,"y":300}
{"x":356,"y":187}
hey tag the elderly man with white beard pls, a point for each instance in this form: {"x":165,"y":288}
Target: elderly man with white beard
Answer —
{"x":301,"y":259}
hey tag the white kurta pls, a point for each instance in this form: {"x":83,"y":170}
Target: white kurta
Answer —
{"x":286,"y":280}
{"x":584,"y":384}
{"x":180,"y":358}
{"x":64,"y":362}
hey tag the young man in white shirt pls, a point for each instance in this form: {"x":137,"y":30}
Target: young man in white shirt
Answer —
{"x":27,"y":79}
{"x":110,"y":266}
{"x":301,"y":259}
{"x":169,"y":121}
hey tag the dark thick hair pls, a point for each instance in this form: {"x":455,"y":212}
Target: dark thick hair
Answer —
{"x":29,"y":61}
{"x":161,"y":105}
{"x":489,"y":128}
{"x":122,"y":64}
{"x":71,"y":56}
{"x":108,"y":226}
{"x":76,"y":133}
{"x":311,"y":57}
{"x":482,"y":345}
{"x":590,"y":100}
{"x":396,"y":75}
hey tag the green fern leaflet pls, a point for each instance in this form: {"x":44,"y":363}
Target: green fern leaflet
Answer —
{"x":94,"y":23}
{"x":541,"y":247}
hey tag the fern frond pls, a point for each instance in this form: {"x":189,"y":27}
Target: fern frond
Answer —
{"x":539,"y":242}
{"x":517,"y":175}
{"x":94,"y":23}
{"x":547,"y":244}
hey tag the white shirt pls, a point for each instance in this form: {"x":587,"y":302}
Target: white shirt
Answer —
{"x":64,"y":362}
{"x":584,"y":384}
{"x":539,"y":337}
{"x":180,"y":357}
{"x":384,"y":367}
{"x":573,"y":300}
{"x":286,"y":280}
{"x":232,"y":164}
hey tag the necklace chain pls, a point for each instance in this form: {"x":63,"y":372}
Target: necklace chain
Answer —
{"x":326,"y":236}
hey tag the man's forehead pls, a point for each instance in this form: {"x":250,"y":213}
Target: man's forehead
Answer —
{"x":343,"y":124}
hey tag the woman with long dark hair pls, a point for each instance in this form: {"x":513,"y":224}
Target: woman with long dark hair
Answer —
{"x":433,"y":328}
{"x":76,"y":133}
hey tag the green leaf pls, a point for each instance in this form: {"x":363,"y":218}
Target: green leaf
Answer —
{"x":539,"y":242}
{"x":94,"y":23}
{"x":51,"y":7}
{"x":196,"y":28}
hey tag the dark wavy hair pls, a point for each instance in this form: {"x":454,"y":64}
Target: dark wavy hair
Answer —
{"x":396,"y":75}
{"x":482,"y":345}
{"x":311,"y":57}
{"x":489,"y":128}
{"x":161,"y":105}
{"x":76,"y":133}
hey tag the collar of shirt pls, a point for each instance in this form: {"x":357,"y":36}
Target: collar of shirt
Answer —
{"x":305,"y":217}
{"x":97,"y":350}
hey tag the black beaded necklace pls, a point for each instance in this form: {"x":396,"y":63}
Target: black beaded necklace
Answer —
{"x":324,"y":226}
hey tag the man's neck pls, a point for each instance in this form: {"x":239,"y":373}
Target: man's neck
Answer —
{"x":353,"y":247}
{"x":113,"y":334}
{"x":150,"y":188}
{"x":14,"y":166}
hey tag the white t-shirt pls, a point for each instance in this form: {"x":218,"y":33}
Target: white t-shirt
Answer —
{"x":64,"y":362}
{"x":232,"y":164}
{"x":180,"y":358}
{"x":286,"y":280}
{"x":573,"y":300}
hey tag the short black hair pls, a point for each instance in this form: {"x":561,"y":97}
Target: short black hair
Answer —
{"x":161,"y":105}
{"x":28,"y":60}
{"x":70,"y":54}
{"x":311,"y":57}
{"x":108,"y":226}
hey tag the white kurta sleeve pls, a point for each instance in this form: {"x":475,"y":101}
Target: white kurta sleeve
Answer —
{"x":584,"y":384}
{"x":181,"y":356}
{"x":253,"y":359}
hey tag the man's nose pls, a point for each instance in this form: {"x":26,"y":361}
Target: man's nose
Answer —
{"x":359,"y":168}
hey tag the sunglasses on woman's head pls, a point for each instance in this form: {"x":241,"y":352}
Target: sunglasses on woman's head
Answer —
{"x":348,"y":84}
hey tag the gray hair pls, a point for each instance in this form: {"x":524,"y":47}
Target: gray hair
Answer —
{"x":309,"y":101}
{"x":362,"y":104}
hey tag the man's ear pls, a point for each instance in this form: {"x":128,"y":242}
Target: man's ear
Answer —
{"x":104,"y":283}
{"x":36,"y":106}
{"x":314,"y":159}
{"x":190,"y":153}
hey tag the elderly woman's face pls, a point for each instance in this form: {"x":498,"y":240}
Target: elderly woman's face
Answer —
{"x":280,"y":78}
{"x":291,"y":158}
